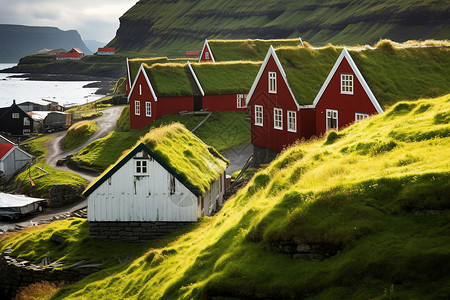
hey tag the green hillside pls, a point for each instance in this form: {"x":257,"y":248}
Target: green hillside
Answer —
{"x":172,"y":27}
{"x":362,"y":214}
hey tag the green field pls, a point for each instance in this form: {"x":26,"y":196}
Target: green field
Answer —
{"x":376,"y":194}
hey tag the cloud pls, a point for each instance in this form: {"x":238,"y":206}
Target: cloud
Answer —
{"x":94,"y":20}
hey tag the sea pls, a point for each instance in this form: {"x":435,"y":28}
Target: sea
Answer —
{"x":66,"y":93}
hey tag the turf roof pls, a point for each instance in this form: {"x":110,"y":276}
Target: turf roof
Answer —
{"x":227,"y":77}
{"x":254,"y":50}
{"x":392,"y":73}
{"x":180,"y":152}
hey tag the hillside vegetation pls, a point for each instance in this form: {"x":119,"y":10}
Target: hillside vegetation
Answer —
{"x":371,"y":201}
{"x":172,"y":27}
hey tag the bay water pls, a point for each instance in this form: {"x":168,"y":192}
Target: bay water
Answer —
{"x":66,"y":93}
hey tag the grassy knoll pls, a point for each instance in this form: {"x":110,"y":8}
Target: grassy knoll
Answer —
{"x":223,"y":130}
{"x":78,"y":133}
{"x":377,"y":192}
{"x":37,"y":146}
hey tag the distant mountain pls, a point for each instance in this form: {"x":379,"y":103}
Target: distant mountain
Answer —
{"x":17,"y":41}
{"x":170,"y":27}
{"x":94,"y":45}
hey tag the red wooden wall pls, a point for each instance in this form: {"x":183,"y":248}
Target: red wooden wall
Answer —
{"x":226,"y":102}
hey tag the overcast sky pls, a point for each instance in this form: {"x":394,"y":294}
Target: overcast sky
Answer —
{"x":93,"y":19}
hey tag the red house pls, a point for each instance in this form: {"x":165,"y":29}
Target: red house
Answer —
{"x":206,"y":55}
{"x":73,"y":54}
{"x":106,"y":51}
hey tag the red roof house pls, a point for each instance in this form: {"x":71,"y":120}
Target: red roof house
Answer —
{"x":73,"y":54}
{"x":12,"y":158}
{"x":106,"y":51}
{"x":206,"y":55}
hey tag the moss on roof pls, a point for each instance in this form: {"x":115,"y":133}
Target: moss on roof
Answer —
{"x":226,"y":77}
{"x":170,"y":79}
{"x":392,"y":73}
{"x":194,"y":163}
{"x":255,"y":50}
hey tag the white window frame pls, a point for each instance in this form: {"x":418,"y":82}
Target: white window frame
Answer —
{"x":347,"y":86}
{"x":292,"y":121}
{"x":207,"y":55}
{"x":259,"y":115}
{"x":278,"y":118}
{"x":137,"y":107}
{"x":333,"y":114}
{"x":15,"y":115}
{"x":26,"y":132}
{"x":240,"y":98}
{"x":272,"y":82}
{"x":141,"y":167}
{"x":361,"y":116}
{"x":148,"y":109}
{"x":26,"y":121}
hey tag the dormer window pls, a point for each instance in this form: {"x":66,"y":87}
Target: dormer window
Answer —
{"x":347,"y":84}
{"x":273,"y":82}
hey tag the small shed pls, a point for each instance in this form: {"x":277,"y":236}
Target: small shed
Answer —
{"x":106,"y":51}
{"x":170,"y":178}
{"x":12,"y":158}
{"x":73,"y":54}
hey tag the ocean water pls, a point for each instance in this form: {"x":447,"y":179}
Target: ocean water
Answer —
{"x":66,"y":93}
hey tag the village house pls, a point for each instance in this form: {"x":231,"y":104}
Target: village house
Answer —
{"x":169,"y":179}
{"x":12,"y":158}
{"x":14,"y":121}
{"x":106,"y":51}
{"x":73,"y":54}
{"x":40,"y":105}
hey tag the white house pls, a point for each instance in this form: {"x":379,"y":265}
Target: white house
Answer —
{"x":169,"y":178}
{"x":12,"y":158}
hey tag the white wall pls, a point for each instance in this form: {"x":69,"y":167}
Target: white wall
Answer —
{"x":13,"y":161}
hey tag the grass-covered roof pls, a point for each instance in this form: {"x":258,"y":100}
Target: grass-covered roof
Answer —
{"x":226,"y":77}
{"x":392,"y":71}
{"x":194,"y":163}
{"x":255,"y":50}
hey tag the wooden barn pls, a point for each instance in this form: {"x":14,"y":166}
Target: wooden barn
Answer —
{"x":168,"y":179}
{"x":234,"y":50}
{"x":106,"y":51}
{"x":73,"y":54}
{"x":302,"y":92}
{"x":14,"y":121}
{"x":12,"y":158}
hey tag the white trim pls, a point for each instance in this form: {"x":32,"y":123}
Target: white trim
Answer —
{"x":272,"y":82}
{"x":141,"y":69}
{"x":8,"y":140}
{"x":206,"y":44}
{"x":195,"y":78}
{"x":148,"y":104}
{"x":270,"y":53}
{"x":137,"y":107}
{"x":239,"y":98}
{"x":262,"y":115}
{"x":332,"y":117}
{"x":277,"y":112}
{"x":128,"y":74}
{"x":358,"y":74}
{"x":289,"y":120}
{"x":347,"y":78}
{"x":301,"y":42}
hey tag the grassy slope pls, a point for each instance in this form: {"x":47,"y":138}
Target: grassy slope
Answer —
{"x":105,"y":151}
{"x":78,"y":133}
{"x":377,"y":191}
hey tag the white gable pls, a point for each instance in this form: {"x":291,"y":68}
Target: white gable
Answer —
{"x":206,"y":45}
{"x":141,"y":70}
{"x":195,"y":78}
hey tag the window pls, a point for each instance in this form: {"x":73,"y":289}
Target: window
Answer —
{"x":140,"y":90}
{"x":272,"y":82}
{"x":241,"y":100}
{"x":258,"y":115}
{"x":347,"y":84}
{"x":148,"y":109}
{"x":137,"y":107}
{"x":26,"y":121}
{"x":172,"y":184}
{"x":15,"y":115}
{"x":292,"y":121}
{"x":26,"y":132}
{"x":278,"y":118}
{"x":206,"y":55}
{"x":332,"y":119}
{"x":360,"y":116}
{"x":141,"y":167}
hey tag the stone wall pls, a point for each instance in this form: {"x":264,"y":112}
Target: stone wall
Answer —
{"x":262,"y":156}
{"x":17,"y":273}
{"x":61,"y":194}
{"x":132,"y":231}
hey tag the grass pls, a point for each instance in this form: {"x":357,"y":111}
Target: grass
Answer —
{"x":37,"y":146}
{"x":103,"y":152}
{"x":78,"y":133}
{"x":383,"y":208}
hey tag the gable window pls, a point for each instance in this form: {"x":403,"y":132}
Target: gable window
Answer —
{"x":148,"y":109}
{"x":172,"y":184}
{"x":26,"y":121}
{"x":347,"y":84}
{"x":332,"y":119}
{"x":360,"y":116}
{"x":137,"y":107}
{"x":206,"y":55}
{"x":15,"y":115}
{"x":241,"y":100}
{"x":258,"y":115}
{"x":141,"y":167}
{"x":273,"y":82}
{"x":278,"y":118}
{"x":292,"y":121}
